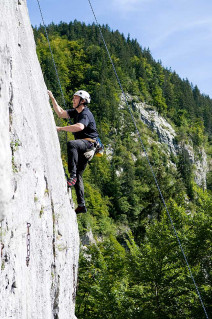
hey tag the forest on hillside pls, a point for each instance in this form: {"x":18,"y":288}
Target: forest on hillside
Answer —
{"x":135,"y":268}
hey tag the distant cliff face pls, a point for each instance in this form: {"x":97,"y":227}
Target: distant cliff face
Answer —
{"x":37,"y":218}
{"x":167,"y":135}
{"x":157,"y":123}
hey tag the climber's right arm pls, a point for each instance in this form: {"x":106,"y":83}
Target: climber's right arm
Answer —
{"x":58,"y":109}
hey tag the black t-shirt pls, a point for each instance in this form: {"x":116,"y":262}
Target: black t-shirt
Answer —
{"x":87,"y":119}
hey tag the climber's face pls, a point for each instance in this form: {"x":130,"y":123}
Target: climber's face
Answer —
{"x":76,"y":100}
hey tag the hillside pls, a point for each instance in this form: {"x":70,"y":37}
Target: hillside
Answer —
{"x":131,"y":265}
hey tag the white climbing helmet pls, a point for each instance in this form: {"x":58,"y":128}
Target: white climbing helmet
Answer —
{"x":84,"y":95}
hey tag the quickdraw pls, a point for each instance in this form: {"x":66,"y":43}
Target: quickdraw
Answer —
{"x":2,"y":245}
{"x":28,"y":244}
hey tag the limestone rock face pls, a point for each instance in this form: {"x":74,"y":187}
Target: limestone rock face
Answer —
{"x":35,"y":207}
{"x":167,"y":135}
{"x":199,"y":160}
{"x":157,"y":123}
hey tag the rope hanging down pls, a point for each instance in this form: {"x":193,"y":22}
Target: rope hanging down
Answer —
{"x":156,"y":182}
{"x":55,"y":67}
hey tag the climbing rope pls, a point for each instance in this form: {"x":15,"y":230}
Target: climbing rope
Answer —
{"x":139,"y":136}
{"x":55,"y":67}
{"x":151,"y":168}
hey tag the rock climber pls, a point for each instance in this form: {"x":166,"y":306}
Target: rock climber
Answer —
{"x":85,"y":134}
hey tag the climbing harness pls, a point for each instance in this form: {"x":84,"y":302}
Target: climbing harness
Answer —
{"x":28,"y":244}
{"x":151,"y":168}
{"x":96,"y":149}
{"x":99,"y":148}
{"x":139,"y":138}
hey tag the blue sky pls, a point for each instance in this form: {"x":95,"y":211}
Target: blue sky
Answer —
{"x":179,"y":33}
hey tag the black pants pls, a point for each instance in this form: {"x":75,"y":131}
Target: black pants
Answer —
{"x":77,"y":163}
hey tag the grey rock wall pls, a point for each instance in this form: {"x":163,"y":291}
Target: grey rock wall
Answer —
{"x":167,"y":136}
{"x":199,"y":161}
{"x":166,"y":133}
{"x":32,"y":185}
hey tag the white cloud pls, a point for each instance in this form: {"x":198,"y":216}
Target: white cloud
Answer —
{"x":184,"y":28}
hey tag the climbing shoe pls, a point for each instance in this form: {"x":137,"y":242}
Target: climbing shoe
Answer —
{"x":80,"y":209}
{"x":71,"y":181}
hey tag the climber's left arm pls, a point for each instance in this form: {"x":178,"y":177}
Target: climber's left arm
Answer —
{"x":72,"y":128}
